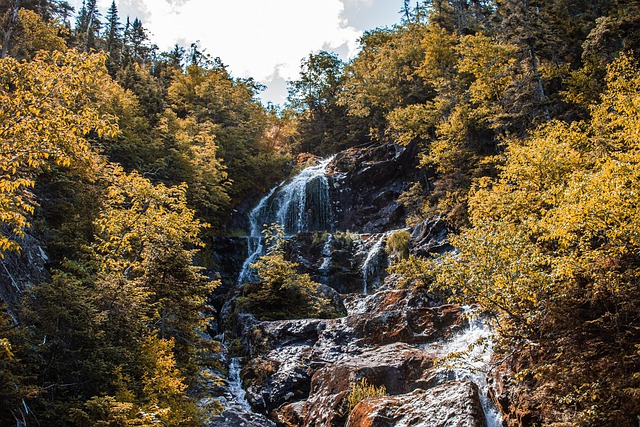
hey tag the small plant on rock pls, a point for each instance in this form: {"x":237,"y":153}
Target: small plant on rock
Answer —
{"x":283,"y":293}
{"x":363,"y":390}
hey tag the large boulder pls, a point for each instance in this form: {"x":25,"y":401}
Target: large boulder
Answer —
{"x":398,"y":367}
{"x":453,"y":404}
{"x":285,"y":355}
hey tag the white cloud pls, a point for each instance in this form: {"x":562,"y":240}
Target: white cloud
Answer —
{"x":255,"y":38}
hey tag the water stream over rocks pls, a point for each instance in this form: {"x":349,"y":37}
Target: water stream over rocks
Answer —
{"x":299,"y":372}
{"x":298,"y":205}
{"x":470,"y":353}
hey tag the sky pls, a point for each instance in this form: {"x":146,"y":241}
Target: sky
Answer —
{"x":263,"y":39}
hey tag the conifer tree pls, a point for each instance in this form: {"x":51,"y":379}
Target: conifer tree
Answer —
{"x":88,"y":25}
{"x":113,"y":39}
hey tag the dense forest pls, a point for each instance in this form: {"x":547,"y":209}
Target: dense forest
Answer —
{"x":121,"y":161}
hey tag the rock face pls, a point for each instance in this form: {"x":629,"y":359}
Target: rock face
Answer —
{"x":455,"y":404}
{"x":365,"y":185}
{"x":399,"y":367}
{"x":301,"y":372}
{"x":22,"y":270}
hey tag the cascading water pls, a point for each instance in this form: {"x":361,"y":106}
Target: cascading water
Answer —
{"x":297,"y":205}
{"x":372,"y":263}
{"x":235,"y":385}
{"x":470,"y":351}
{"x":326,"y":255}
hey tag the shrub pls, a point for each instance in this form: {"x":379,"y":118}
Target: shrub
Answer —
{"x":283,"y":293}
{"x":363,"y":390}
{"x":398,"y":244}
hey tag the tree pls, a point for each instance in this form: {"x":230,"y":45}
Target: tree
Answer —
{"x":282,"y":293}
{"x":228,"y":107}
{"x":113,"y":39}
{"x":10,"y":21}
{"x":384,"y":76}
{"x":323,"y":124}
{"x":49,"y":106}
{"x":88,"y":25}
{"x":145,"y":273}
{"x":553,"y":248}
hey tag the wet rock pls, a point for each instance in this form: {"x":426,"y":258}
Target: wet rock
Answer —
{"x":399,"y":367}
{"x":365,"y":185}
{"x":430,"y":236}
{"x":228,"y":255}
{"x":454,"y":404}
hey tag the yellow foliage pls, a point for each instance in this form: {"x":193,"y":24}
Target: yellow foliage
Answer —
{"x":36,"y":35}
{"x":49,"y":105}
{"x":139,"y":216}
{"x":554,"y":249}
{"x":363,"y":390}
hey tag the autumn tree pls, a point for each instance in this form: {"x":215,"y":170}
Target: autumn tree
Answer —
{"x":211,"y":98}
{"x":282,"y":292}
{"x":552,"y":249}
{"x":49,"y":106}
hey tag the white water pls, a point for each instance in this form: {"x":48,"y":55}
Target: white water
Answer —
{"x":326,"y":255}
{"x":297,"y":205}
{"x":371,"y":265}
{"x":467,"y":357}
{"x":235,"y":385}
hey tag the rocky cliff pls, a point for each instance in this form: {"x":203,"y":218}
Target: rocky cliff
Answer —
{"x":301,"y":372}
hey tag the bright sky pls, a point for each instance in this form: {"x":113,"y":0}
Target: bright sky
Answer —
{"x":263,"y":39}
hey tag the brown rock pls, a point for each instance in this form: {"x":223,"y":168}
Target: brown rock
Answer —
{"x":290,"y":415}
{"x":453,"y":404}
{"x":399,"y":367}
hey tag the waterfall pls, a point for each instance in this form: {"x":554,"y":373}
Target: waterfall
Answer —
{"x":372,"y":263}
{"x":255,"y":242}
{"x":326,"y":255}
{"x":470,"y":352}
{"x":297,"y":205}
{"x":235,"y":385}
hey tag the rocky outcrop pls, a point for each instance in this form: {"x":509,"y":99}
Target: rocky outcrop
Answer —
{"x":301,"y":372}
{"x":20,"y":270}
{"x":303,"y":369}
{"x":398,"y":367}
{"x":429,"y":237}
{"x":454,"y":404}
{"x":365,"y":185}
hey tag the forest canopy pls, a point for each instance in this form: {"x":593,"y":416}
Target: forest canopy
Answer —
{"x":122,"y":161}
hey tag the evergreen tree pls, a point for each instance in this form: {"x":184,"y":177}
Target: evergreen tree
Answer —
{"x":137,"y":41}
{"x":88,"y":25}
{"x":113,"y":39}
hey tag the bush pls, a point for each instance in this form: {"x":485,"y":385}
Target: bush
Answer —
{"x":283,"y":293}
{"x":398,"y":244}
{"x":363,"y":390}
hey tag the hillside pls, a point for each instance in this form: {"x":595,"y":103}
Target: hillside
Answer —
{"x":450,"y":216}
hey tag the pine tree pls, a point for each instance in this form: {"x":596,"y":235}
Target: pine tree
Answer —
{"x":113,"y":39}
{"x":88,"y":25}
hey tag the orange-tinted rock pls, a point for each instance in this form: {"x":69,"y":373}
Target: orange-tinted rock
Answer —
{"x":290,"y":415}
{"x":453,"y":404}
{"x":399,"y":367}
